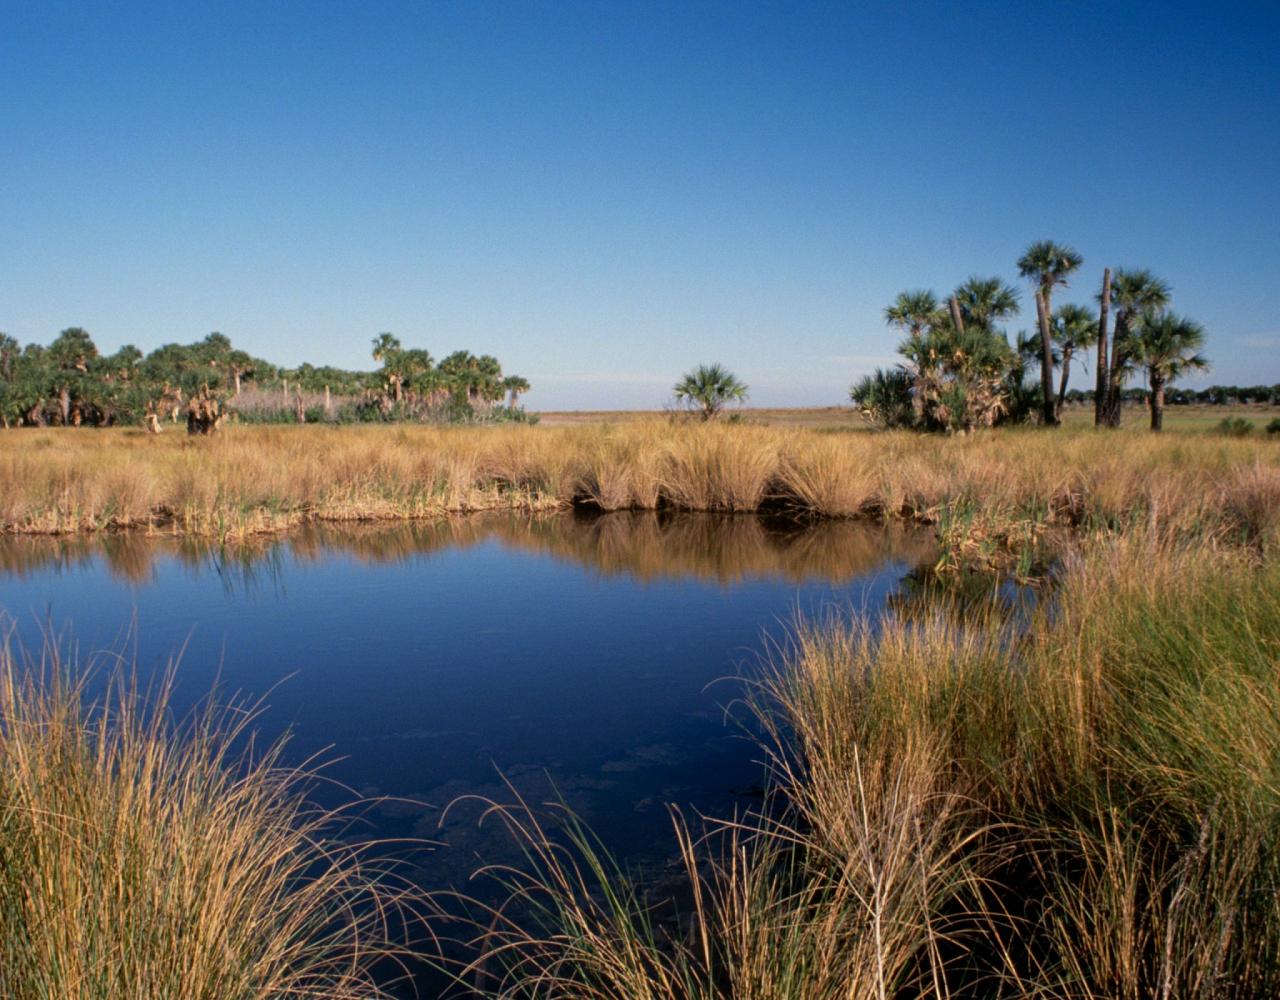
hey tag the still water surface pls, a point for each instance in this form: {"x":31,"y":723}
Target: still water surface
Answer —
{"x":423,"y":661}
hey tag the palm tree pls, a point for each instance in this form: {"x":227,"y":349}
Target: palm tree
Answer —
{"x":1135,"y":294}
{"x":71,"y":351}
{"x":1074,"y":329}
{"x":1048,"y":265}
{"x":913,"y":311}
{"x":1025,"y":351}
{"x":1168,"y":347}
{"x":985,"y":301}
{"x":957,"y":376}
{"x":514,"y":385}
{"x":709,"y":387}
{"x":887,"y":397}
{"x":387,"y":349}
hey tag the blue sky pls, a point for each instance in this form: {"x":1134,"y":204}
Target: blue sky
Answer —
{"x":605,"y":194}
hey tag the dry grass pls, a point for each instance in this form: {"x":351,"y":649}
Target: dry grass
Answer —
{"x":999,"y":488}
{"x":143,"y":858}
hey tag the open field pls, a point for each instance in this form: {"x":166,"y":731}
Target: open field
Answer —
{"x":838,"y":418}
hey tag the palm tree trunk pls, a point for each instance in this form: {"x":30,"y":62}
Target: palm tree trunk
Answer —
{"x":1112,"y":414}
{"x":1100,"y":393}
{"x":1049,"y":411}
{"x":1062,"y":386}
{"x":1157,"y":403}
{"x":64,"y":404}
{"x":956,"y":318}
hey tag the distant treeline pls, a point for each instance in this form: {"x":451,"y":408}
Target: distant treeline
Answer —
{"x":71,"y":383}
{"x":1215,"y":395}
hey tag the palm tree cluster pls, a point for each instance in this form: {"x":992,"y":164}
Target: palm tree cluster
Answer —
{"x":71,"y":382}
{"x":410,"y":377}
{"x":961,"y":370}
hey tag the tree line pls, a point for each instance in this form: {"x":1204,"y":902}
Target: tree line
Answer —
{"x":71,"y":383}
{"x":961,"y":369}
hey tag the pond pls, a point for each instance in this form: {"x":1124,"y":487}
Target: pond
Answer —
{"x":586,"y":656}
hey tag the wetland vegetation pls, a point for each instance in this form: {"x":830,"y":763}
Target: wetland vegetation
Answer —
{"x":963,"y":798}
{"x":1058,"y":782}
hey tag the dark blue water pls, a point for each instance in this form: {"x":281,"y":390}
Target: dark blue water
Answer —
{"x":588,"y":655}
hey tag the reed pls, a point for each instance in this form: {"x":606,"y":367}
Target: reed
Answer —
{"x":965,"y":803}
{"x":143,"y":857}
{"x":1003,"y":488}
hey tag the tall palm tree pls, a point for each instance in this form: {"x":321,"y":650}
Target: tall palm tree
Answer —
{"x":1074,"y":329}
{"x":1048,"y":265}
{"x":986,"y":301}
{"x":710,"y":387}
{"x":913,"y":311}
{"x":1168,"y":347}
{"x":1135,"y":294}
{"x":1102,"y":377}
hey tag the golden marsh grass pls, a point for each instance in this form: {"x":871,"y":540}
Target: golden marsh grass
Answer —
{"x":146,"y":857}
{"x":259,"y":479}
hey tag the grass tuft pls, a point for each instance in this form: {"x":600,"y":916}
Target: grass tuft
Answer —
{"x":141,"y":857}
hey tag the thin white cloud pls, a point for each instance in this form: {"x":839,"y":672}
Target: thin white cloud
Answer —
{"x":861,"y":360}
{"x":1260,"y":341}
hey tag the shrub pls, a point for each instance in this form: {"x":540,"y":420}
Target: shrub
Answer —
{"x":885,"y":397}
{"x":1235,"y":427}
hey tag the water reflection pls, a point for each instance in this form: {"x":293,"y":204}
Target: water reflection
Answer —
{"x":646,"y":546}
{"x":573,"y":656}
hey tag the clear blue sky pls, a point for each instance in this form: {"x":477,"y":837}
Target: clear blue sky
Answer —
{"x":603,"y":194}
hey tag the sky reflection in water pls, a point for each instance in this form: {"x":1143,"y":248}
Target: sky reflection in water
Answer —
{"x":422,"y":659}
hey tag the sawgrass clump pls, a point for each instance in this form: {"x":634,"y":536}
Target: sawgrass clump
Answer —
{"x":145,"y":857}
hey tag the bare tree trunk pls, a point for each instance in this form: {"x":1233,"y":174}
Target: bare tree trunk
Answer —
{"x":956,"y":318}
{"x":1100,"y":393}
{"x":1049,"y":413}
{"x":235,"y":374}
{"x":328,"y":409}
{"x":1062,"y":386}
{"x":1111,"y":416}
{"x":1157,"y":404}
{"x":64,"y":404}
